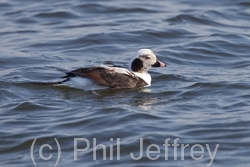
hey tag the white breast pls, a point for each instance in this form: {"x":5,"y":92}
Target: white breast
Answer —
{"x":145,"y":76}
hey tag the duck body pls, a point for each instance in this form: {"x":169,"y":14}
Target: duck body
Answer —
{"x":100,"y":77}
{"x":104,"y":76}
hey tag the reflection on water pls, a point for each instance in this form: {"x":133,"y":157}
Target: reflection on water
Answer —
{"x":145,"y":104}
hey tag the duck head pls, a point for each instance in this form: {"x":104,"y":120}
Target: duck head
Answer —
{"x":143,"y":60}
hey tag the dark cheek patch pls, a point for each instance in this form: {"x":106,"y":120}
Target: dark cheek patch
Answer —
{"x":136,"y":65}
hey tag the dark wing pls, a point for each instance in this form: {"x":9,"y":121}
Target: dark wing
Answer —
{"x":92,"y":73}
{"x":121,"y":80}
{"x":108,"y":77}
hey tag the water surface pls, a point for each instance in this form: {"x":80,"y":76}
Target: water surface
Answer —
{"x":201,"y":97}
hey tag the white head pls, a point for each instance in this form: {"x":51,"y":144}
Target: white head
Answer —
{"x":143,"y":60}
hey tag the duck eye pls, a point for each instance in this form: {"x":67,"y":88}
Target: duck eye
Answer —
{"x":147,"y":57}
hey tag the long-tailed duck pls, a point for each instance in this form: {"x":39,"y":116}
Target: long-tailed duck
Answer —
{"x":115,"y":77}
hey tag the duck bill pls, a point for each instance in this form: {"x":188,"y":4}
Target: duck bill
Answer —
{"x":159,"y":64}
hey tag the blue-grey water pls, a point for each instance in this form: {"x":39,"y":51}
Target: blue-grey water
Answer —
{"x":202,"y":97}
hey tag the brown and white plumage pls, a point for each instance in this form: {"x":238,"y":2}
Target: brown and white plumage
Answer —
{"x":115,"y":77}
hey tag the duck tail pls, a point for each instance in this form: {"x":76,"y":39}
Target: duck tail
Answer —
{"x":45,"y":83}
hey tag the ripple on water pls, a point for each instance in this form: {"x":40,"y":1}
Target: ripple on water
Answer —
{"x":58,"y":14}
{"x":99,"y":8}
